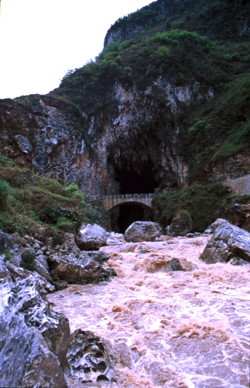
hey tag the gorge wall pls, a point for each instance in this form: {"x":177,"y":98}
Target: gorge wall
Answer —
{"x":135,"y":150}
{"x":159,"y":109}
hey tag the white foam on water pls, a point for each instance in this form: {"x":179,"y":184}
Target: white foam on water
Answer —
{"x":184,"y":329}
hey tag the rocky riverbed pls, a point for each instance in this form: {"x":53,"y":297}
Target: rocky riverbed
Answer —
{"x":167,"y":320}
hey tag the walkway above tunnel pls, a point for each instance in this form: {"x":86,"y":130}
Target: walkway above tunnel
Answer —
{"x":111,"y":201}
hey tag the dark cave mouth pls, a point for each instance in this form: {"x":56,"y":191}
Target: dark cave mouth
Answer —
{"x":138,"y":180}
{"x":132,"y":181}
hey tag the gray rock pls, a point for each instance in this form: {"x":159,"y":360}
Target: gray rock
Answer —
{"x":69,"y":264}
{"x":142,"y":231}
{"x":33,"y":338}
{"x":208,"y":230}
{"x":86,"y":267}
{"x":23,"y":143}
{"x":181,"y":224}
{"x":175,"y":265}
{"x":3,"y":269}
{"x":115,"y":238}
{"x":228,"y":241}
{"x":41,"y":267}
{"x":5,"y":241}
{"x":89,"y":358}
{"x":91,"y":237}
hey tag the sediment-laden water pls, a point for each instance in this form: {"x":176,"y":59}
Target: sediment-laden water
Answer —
{"x":169,"y":328}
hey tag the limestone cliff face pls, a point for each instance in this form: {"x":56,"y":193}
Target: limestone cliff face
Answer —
{"x":47,"y":137}
{"x":144,"y":131}
{"x":139,"y":137}
{"x":136,"y":145}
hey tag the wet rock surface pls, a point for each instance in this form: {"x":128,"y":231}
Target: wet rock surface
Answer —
{"x":142,"y":231}
{"x":91,"y":237}
{"x":33,"y":338}
{"x":70,"y":264}
{"x":228,"y":243}
{"x":89,"y":358}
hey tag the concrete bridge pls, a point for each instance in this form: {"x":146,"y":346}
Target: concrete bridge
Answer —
{"x":111,"y":201}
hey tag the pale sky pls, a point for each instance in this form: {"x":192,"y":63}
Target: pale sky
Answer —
{"x":40,"y":40}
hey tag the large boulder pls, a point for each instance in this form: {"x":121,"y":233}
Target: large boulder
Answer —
{"x":69,"y":264}
{"x":87,"y":267}
{"x":228,"y":243}
{"x":90,"y":358}
{"x":181,"y":224}
{"x":91,"y":237}
{"x":142,"y":231}
{"x":33,"y":338}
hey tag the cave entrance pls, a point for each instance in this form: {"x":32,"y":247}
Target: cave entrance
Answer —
{"x":137,"y":180}
{"x":123,"y":215}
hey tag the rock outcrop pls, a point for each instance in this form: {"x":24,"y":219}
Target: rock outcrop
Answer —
{"x":34,"y":339}
{"x":229,"y":243}
{"x":90,"y":358}
{"x":5,"y":241}
{"x":91,"y":237}
{"x":181,"y":224}
{"x":68,"y":263}
{"x":142,"y":231}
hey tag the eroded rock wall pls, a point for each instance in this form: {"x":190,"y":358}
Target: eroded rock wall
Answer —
{"x":33,"y":338}
{"x":138,"y":133}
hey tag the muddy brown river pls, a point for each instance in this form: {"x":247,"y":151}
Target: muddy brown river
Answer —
{"x":176,"y":329}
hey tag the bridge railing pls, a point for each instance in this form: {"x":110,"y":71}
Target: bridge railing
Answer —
{"x":127,"y":196}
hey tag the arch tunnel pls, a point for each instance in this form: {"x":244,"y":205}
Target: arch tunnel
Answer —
{"x":124,"y":214}
{"x":139,"y":179}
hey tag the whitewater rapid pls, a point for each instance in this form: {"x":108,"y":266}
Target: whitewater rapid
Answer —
{"x":174,"y":329}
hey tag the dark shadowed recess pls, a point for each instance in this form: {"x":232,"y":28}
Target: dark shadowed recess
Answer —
{"x":138,"y":180}
{"x":124,"y":215}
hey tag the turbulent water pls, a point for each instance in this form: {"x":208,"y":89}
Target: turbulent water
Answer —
{"x":171,"y":329}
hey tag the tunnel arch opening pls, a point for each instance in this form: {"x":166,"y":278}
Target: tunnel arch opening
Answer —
{"x":124,"y":214}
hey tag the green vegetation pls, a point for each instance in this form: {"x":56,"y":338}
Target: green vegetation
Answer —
{"x":203,"y":203}
{"x":210,"y":129}
{"x":4,"y":192}
{"x":6,"y":161}
{"x":180,"y":55}
{"x":197,"y":46}
{"x":29,"y":202}
{"x":28,"y":259}
{"x":219,"y":128}
{"x":216,"y":18}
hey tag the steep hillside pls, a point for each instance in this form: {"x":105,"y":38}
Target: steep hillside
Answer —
{"x":224,"y":18}
{"x":165,"y":105}
{"x":172,"y":101}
